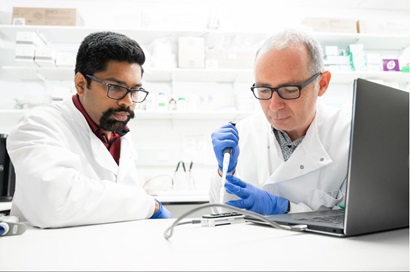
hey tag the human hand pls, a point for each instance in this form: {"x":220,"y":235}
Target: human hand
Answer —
{"x":254,"y":199}
{"x":226,"y":137}
{"x":162,"y":212}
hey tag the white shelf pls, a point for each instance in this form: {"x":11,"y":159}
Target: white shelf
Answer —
{"x":75,"y":34}
{"x":196,"y":75}
{"x":192,"y":115}
{"x":176,"y":74}
{"x":152,"y":115}
{"x":348,"y":77}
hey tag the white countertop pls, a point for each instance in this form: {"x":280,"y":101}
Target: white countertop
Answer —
{"x":186,"y":196}
{"x":140,"y":245}
{"x":193,"y":196}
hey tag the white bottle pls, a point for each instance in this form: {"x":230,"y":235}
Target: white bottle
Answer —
{"x":162,"y":103}
{"x":182,"y":104}
{"x":172,"y":104}
{"x":150,"y":103}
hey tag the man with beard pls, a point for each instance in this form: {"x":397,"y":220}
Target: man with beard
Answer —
{"x":75,"y":161}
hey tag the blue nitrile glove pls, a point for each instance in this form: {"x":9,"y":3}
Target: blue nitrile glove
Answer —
{"x":162,"y":212}
{"x":254,"y":199}
{"x":226,"y":137}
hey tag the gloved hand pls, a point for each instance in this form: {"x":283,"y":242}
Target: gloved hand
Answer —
{"x":254,"y":199}
{"x":226,"y":136}
{"x":162,"y":212}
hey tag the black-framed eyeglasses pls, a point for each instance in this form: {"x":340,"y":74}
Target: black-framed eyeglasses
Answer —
{"x":117,"y":92}
{"x":288,"y":92}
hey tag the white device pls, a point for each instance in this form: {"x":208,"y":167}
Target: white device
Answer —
{"x":219,"y":219}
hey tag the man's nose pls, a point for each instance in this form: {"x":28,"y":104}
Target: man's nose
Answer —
{"x":276,"y":102}
{"x":126,"y":100}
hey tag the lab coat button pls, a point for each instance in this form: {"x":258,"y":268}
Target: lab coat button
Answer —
{"x":301,"y":167}
{"x":322,"y":159}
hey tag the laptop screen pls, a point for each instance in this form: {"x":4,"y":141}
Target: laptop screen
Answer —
{"x":378,"y":178}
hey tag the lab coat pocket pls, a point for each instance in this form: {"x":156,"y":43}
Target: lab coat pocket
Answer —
{"x":321,"y":199}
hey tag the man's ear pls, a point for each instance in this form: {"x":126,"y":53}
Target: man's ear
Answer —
{"x":324,"y":82}
{"x":80,"y":83}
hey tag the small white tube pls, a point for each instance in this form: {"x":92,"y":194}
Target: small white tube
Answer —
{"x":225,"y":165}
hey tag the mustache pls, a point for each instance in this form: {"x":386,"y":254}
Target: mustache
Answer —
{"x":120,"y":109}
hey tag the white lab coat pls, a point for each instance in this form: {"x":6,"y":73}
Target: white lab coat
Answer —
{"x":65,"y":176}
{"x":313,"y":178}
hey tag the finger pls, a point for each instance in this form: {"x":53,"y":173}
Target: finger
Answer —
{"x":227,"y":129}
{"x":220,"y":137}
{"x":236,"y":190}
{"x":235,"y":181}
{"x":241,"y":203}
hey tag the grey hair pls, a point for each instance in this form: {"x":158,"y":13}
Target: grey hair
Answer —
{"x":296,"y":37}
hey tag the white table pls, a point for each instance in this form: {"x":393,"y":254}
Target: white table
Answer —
{"x":140,"y":245}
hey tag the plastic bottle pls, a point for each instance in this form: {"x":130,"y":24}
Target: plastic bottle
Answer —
{"x":161,"y":102}
{"x":150,"y":103}
{"x":182,"y":104}
{"x":172,"y":104}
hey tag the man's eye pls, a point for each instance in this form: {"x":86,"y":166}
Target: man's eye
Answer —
{"x":115,"y":88}
{"x":264,"y":90}
{"x":289,"y":89}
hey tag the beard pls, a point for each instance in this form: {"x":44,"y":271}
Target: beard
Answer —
{"x":107,"y":123}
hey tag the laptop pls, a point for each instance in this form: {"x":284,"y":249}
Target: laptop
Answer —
{"x":377,"y":196}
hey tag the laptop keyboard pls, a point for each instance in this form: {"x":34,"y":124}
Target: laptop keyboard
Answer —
{"x":334,"y":219}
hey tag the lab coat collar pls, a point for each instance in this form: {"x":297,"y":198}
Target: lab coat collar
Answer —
{"x":100,"y":152}
{"x":309,"y":156}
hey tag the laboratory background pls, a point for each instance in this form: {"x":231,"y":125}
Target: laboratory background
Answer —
{"x":199,"y":67}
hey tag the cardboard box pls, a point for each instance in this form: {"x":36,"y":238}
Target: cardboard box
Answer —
{"x":391,"y":65}
{"x":382,"y":26}
{"x":323,"y":24}
{"x":47,"y":16}
{"x":45,"y":56}
{"x":29,"y":38}
{"x":25,"y":55}
{"x":65,"y":59}
{"x":230,"y":59}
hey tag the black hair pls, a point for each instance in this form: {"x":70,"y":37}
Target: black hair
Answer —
{"x":98,"y":48}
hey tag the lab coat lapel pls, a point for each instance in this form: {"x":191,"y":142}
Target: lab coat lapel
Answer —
{"x":102,"y":155}
{"x":126,"y":158}
{"x":309,"y":156}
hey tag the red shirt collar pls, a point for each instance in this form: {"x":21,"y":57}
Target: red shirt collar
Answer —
{"x":112,"y":145}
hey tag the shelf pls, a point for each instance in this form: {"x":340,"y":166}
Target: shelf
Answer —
{"x":151,"y":115}
{"x":194,"y":75}
{"x":369,"y":41}
{"x":75,"y":34}
{"x":67,"y":73}
{"x":199,"y":115}
{"x":71,"y":34}
{"x":348,"y":77}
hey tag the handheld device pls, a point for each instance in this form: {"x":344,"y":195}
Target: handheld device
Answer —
{"x":9,"y":225}
{"x":225,"y":164}
{"x":218,"y":219}
{"x":227,"y":152}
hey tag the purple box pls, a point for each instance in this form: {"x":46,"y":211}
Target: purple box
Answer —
{"x":391,"y":65}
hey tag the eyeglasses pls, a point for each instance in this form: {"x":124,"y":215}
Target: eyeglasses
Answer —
{"x":117,"y":92}
{"x":288,"y":92}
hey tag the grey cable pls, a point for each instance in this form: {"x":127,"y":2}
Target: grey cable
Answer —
{"x":169,"y":231}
